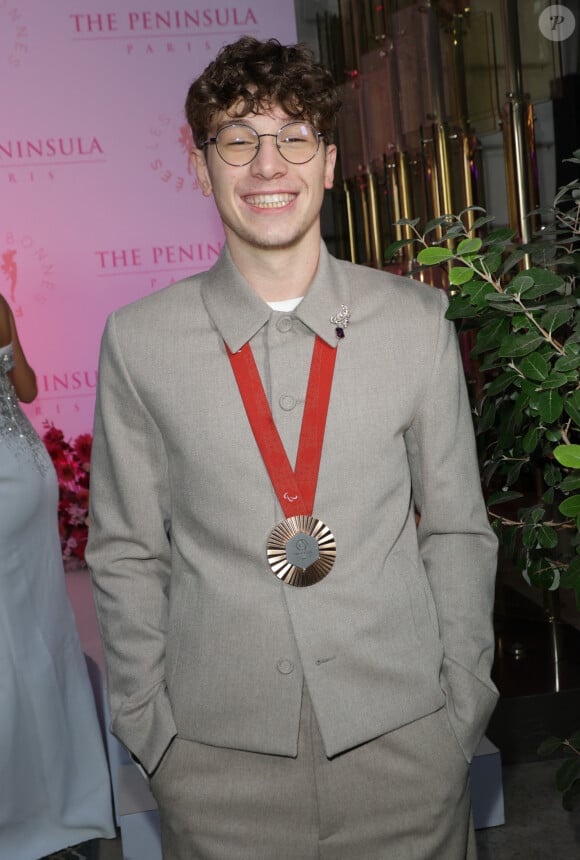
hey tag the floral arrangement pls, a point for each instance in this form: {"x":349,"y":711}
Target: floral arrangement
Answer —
{"x":71,"y":460}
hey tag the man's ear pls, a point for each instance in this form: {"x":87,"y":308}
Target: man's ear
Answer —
{"x":329,"y":165}
{"x":199,"y":164}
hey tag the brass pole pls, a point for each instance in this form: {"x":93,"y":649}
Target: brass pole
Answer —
{"x":444,"y":178}
{"x":402,"y":172}
{"x":464,"y":137}
{"x":441,"y":179}
{"x":467,"y":179}
{"x":515,"y":138}
{"x":374,"y":220}
{"x":350,"y":222}
{"x":362,"y":182}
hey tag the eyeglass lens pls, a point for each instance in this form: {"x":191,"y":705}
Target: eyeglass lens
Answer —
{"x":238,"y":144}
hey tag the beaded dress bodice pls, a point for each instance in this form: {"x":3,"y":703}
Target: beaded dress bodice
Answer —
{"x":15,"y":428}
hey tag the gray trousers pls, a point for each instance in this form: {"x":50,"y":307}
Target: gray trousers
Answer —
{"x":402,"y":796}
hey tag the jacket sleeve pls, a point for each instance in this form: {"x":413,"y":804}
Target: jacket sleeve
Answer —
{"x":457,"y":544}
{"x":129,"y":556}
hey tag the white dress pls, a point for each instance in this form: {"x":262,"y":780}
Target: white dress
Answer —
{"x":54,"y":780}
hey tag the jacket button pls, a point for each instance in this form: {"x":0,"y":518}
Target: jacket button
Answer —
{"x":284,"y":324}
{"x":287,"y":402}
{"x":285,"y":666}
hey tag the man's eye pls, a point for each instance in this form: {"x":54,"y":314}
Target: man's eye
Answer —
{"x":239,"y":142}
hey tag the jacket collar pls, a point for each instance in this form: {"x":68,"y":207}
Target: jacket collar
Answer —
{"x":239,"y":313}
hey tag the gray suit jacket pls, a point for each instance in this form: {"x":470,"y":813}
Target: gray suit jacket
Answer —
{"x":200,"y":637}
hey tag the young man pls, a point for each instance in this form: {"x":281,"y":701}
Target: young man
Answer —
{"x":303,"y":672}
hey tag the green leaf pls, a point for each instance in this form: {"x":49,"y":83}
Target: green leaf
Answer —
{"x":492,"y":261}
{"x":408,"y":222}
{"x":541,"y":576}
{"x":568,"y":455}
{"x":501,"y":382}
{"x":502,"y":298}
{"x":570,"y":507}
{"x":566,"y":363}
{"x":547,"y":537}
{"x":512,"y":260}
{"x":530,"y":440}
{"x":520,"y":285}
{"x":502,"y":303}
{"x":573,"y":412}
{"x":514,"y":346}
{"x":543,"y":253}
{"x":535,"y":367}
{"x":460,"y":275}
{"x":572,"y":406}
{"x":460,"y":307}
{"x":555,"y":380}
{"x":552,"y":474}
{"x":555,"y":318}
{"x":435,"y":222}
{"x":550,"y":406}
{"x":569,"y":484}
{"x":544,"y":282}
{"x":534,"y":514}
{"x":549,"y":746}
{"x":454,"y":231}
{"x":477,"y":291}
{"x":472,"y":208}
{"x":519,"y":322}
{"x":394,"y":248}
{"x":469,"y":246}
{"x":571,"y":576}
{"x":567,"y":773}
{"x":502,"y":235}
{"x":479,"y":222}
{"x":491,"y":334}
{"x":571,"y":796}
{"x":434,"y":256}
{"x":503,"y":496}
{"x":487,"y":418}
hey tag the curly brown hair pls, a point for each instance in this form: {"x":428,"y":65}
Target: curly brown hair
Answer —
{"x":251,"y":76}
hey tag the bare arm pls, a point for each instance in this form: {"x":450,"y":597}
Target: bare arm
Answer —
{"x":22,"y":375}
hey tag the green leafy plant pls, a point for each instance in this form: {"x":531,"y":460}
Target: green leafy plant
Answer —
{"x":568,"y":773}
{"x":519,"y":310}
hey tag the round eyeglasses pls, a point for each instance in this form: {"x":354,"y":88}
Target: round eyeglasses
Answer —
{"x":238,"y":144}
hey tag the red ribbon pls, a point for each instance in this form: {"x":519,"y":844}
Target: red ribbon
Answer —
{"x":295,"y":489}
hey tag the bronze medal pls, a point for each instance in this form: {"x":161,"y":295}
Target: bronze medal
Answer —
{"x":301,"y":550}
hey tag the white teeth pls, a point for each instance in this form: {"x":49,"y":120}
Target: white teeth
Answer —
{"x":270,"y":201}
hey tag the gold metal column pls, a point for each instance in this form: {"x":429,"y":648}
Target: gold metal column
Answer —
{"x":519,"y":137}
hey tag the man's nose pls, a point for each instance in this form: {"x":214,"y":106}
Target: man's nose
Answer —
{"x":268,"y":161}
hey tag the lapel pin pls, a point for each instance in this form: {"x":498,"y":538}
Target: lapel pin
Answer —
{"x":341,"y":321}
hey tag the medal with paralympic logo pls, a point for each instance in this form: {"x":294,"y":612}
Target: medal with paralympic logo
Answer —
{"x":301,"y":549}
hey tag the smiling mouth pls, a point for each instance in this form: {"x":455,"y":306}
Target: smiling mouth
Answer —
{"x":270,"y":201}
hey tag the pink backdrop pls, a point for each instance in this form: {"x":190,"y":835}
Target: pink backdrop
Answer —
{"x":97,"y":203}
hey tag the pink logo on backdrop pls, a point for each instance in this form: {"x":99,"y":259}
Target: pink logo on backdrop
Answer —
{"x":64,"y":396}
{"x":26,"y":274}
{"x":14,"y":36}
{"x":158,"y":264}
{"x":169,"y":150}
{"x":163,"y":31}
{"x":25,"y":159}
